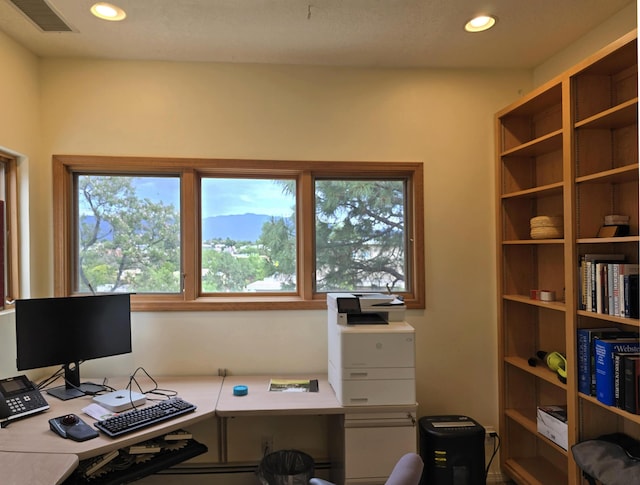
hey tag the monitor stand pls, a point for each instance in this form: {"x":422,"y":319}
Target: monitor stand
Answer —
{"x":72,"y":387}
{"x":65,"y":393}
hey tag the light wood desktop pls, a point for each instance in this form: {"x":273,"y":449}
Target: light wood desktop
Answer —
{"x":259,"y":401}
{"x":34,"y":435}
{"x":28,"y":440}
{"x":36,"y":468}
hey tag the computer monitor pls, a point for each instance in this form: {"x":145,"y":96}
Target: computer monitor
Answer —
{"x":68,"y":330}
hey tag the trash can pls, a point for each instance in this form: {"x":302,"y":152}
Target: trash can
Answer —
{"x":286,"y":467}
{"x":452,"y":448}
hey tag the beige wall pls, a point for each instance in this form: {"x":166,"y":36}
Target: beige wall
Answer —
{"x":441,"y":117}
{"x":19,"y":135}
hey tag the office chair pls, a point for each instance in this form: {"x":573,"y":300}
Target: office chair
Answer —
{"x":407,"y":471}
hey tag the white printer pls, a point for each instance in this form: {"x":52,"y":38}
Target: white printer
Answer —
{"x":371,"y":350}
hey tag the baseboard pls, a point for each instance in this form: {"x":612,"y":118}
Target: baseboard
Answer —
{"x":497,"y":478}
{"x":216,"y":474}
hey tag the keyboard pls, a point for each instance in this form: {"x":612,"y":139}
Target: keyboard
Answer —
{"x":129,"y":421}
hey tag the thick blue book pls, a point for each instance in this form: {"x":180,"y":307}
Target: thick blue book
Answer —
{"x":586,"y":371}
{"x":604,"y":349}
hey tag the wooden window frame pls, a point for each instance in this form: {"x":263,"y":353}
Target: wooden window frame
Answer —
{"x":11,"y":231}
{"x":190,"y":171}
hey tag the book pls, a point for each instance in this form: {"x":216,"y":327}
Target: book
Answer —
{"x":586,"y":369}
{"x":630,"y":376}
{"x":603,"y":287}
{"x":631,"y":296}
{"x":624,"y":270}
{"x":609,"y":277}
{"x":614,"y":304}
{"x":618,"y":380}
{"x":592,"y":277}
{"x":293,"y":385}
{"x":604,"y":350}
{"x":619,"y":385}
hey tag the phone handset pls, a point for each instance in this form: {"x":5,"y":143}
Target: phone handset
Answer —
{"x":5,"y":412}
{"x":19,"y":398}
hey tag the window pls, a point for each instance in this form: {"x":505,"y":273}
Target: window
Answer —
{"x":187,"y":234}
{"x":248,"y":235}
{"x":360,"y":235}
{"x":128,"y":234}
{"x":9,"y":264}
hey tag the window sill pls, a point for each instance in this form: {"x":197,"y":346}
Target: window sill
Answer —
{"x":278,"y":303}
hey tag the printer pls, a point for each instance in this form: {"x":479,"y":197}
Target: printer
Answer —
{"x":365,"y":308}
{"x":371,"y":356}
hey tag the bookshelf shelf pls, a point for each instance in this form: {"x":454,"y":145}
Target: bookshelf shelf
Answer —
{"x":535,"y":471}
{"x":621,"y":115}
{"x":545,"y":144}
{"x":525,"y":418}
{"x":538,"y":371}
{"x":608,"y":240}
{"x":535,"y":192}
{"x":569,"y":149}
{"x":635,"y":418}
{"x":634,"y":322}
{"x":534,"y":241}
{"x":526,"y":300}
{"x":628,"y":173}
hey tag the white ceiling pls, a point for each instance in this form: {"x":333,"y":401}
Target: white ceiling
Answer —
{"x":383,"y":33}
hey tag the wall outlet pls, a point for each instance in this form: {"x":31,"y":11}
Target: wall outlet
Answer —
{"x":266,"y":445}
{"x":490,"y":431}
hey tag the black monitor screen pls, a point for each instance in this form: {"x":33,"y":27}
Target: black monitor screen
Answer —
{"x":68,"y":330}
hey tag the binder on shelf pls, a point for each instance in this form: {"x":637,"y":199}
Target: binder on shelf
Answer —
{"x":586,"y":359}
{"x":604,"y":350}
{"x":630,"y":384}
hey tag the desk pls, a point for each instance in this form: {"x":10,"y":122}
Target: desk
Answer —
{"x":262,"y":402}
{"x":33,"y":434}
{"x":36,"y":468}
{"x":366,"y":441}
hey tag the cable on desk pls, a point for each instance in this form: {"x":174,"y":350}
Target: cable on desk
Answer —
{"x":60,"y":373}
{"x":164,"y":393}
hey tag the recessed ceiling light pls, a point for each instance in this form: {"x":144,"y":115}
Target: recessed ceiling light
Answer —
{"x":480,"y":23}
{"x":106,"y":11}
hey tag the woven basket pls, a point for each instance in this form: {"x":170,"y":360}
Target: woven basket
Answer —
{"x":547,"y":227}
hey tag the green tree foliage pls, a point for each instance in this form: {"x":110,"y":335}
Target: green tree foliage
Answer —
{"x":278,"y":245}
{"x":126,"y":243}
{"x":225,"y":272}
{"x":359,"y":234}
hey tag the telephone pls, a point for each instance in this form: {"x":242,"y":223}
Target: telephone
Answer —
{"x":19,"y":398}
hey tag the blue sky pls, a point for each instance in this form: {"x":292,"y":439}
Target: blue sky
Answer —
{"x":224,"y":196}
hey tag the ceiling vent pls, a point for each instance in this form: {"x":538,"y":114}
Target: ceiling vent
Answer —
{"x":41,"y":14}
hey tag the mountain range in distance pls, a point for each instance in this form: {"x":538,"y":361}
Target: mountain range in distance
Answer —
{"x":240,"y":227}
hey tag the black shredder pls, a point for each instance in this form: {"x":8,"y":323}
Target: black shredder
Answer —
{"x":452,"y":448}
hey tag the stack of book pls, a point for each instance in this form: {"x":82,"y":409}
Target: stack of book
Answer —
{"x":609,"y":366}
{"x":609,"y":285}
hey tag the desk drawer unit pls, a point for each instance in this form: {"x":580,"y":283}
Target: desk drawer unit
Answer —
{"x":374,"y":443}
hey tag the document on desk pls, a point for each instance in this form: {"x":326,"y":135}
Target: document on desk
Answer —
{"x":293,"y":385}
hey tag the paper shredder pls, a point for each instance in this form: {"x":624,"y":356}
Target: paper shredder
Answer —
{"x":452,"y":448}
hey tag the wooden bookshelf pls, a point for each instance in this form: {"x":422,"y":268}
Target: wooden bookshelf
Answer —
{"x":570,"y":149}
